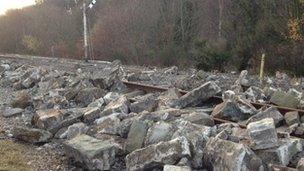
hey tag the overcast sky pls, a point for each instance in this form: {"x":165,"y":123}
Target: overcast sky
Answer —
{"x":13,"y":4}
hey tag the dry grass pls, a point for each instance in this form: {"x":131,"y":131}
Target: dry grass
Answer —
{"x":11,"y":156}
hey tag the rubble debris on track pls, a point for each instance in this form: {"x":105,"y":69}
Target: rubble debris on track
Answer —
{"x":90,"y":118}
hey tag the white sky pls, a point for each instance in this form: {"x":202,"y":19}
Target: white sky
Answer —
{"x":13,"y":4}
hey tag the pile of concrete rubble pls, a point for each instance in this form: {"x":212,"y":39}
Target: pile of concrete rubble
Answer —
{"x":103,"y":125}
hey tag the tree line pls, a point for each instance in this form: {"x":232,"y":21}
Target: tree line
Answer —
{"x":211,"y":34}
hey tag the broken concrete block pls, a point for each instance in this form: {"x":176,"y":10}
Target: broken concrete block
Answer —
{"x":229,"y":110}
{"x":271,"y":112}
{"x":93,"y":154}
{"x":148,"y":103}
{"x":226,"y":155}
{"x":199,"y":118}
{"x":282,"y":154}
{"x":31,"y":135}
{"x":196,"y":96}
{"x":176,"y":168}
{"x":9,"y":112}
{"x":136,"y":135}
{"x":160,"y":131}
{"x":158,"y":155}
{"x":281,"y":98}
{"x":262,"y":134}
{"x":292,"y":118}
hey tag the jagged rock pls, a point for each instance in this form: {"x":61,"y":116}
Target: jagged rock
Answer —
{"x":52,"y":120}
{"x":292,"y":118}
{"x":160,"y":131}
{"x":91,"y":114}
{"x":300,"y":165}
{"x":297,"y":129}
{"x":134,"y":94}
{"x":255,"y":94}
{"x":111,"y":96}
{"x":148,"y":103}
{"x":75,"y":130}
{"x":9,"y":112}
{"x":34,"y":78}
{"x":263,"y":134}
{"x":93,"y":154}
{"x":199,"y":118}
{"x":120,"y":105}
{"x":31,"y":135}
{"x":271,"y":112}
{"x":136,"y":135}
{"x":108,"y":125}
{"x":100,"y":103}
{"x":106,"y":77}
{"x":21,"y":100}
{"x":281,"y":98}
{"x":282,"y":154}
{"x":196,"y":96}
{"x":89,"y":95}
{"x":226,"y":155}
{"x":197,"y":135}
{"x":164,"y":115}
{"x":158,"y":155}
{"x":229,"y":110}
{"x":176,"y":168}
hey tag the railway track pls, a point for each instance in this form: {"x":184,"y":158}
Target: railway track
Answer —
{"x":216,"y":99}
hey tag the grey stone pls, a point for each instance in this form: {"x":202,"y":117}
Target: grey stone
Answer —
{"x":281,"y":98}
{"x":148,"y":103}
{"x":158,"y":155}
{"x":271,"y":112}
{"x":111,"y":96}
{"x":282,"y":154}
{"x":31,"y":135}
{"x":100,"y":103}
{"x":262,"y":134}
{"x":199,"y":118}
{"x":136,"y":136}
{"x":197,"y":135}
{"x":108,"y":125}
{"x":229,"y":110}
{"x":120,"y":105}
{"x":53,"y":119}
{"x":292,"y":118}
{"x":89,"y":95}
{"x":176,"y":168}
{"x":106,"y":77}
{"x":75,"y":130}
{"x":197,"y":95}
{"x":9,"y":112}
{"x":91,"y":114}
{"x":93,"y":154}
{"x":229,"y":156}
{"x":300,"y":166}
{"x":255,"y":94}
{"x":160,"y":131}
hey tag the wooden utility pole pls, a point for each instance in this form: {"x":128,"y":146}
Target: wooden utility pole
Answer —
{"x":85,"y":33}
